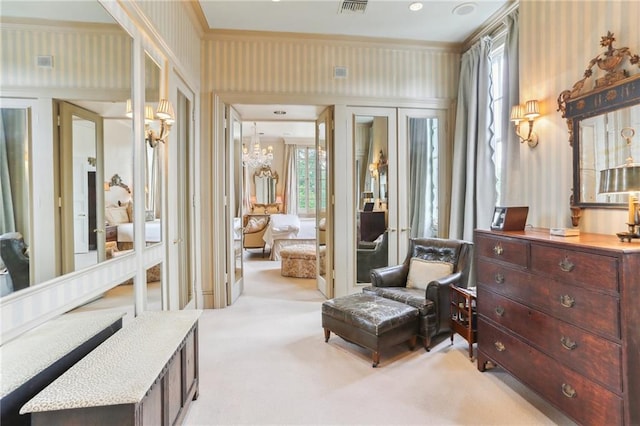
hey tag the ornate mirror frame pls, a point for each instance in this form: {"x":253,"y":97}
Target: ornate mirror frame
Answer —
{"x":271,"y":177}
{"x":611,"y":92}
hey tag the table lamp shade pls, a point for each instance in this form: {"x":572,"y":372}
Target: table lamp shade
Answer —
{"x":619,"y":180}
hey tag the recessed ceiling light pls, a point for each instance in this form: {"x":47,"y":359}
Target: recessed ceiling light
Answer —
{"x":415,"y":6}
{"x":464,"y":9}
{"x":279,"y":112}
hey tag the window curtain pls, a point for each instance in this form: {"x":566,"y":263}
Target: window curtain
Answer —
{"x":473,"y":194}
{"x":290,"y":180}
{"x":13,"y":177}
{"x":510,"y":192}
{"x":423,"y":177}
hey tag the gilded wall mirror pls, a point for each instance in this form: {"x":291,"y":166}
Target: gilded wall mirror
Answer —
{"x":265,"y":181}
{"x":596,"y":113}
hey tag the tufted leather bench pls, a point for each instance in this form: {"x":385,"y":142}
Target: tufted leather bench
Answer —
{"x":370,"y":321}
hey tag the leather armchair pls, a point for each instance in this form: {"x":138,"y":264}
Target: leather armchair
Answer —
{"x":13,"y":252}
{"x":370,"y":256}
{"x":253,"y":231}
{"x":433,"y":303}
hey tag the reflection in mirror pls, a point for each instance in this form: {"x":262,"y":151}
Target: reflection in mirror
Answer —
{"x":371,"y":144}
{"x":14,"y":200}
{"x":322,"y":206}
{"x":118,"y":299}
{"x":423,"y":177}
{"x":602,"y":147}
{"x":153,"y":181}
{"x":100,"y":82}
{"x":154,"y":288}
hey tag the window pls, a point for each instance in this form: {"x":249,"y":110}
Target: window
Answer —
{"x":306,"y":180}
{"x":497,"y":78}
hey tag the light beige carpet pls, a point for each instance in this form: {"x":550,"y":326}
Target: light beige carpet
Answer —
{"x":264,"y":361}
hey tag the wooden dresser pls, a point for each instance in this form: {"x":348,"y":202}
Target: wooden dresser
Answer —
{"x":562,"y":314}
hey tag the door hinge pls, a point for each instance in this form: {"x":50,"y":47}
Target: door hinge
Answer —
{"x":59,"y":201}
{"x":333,"y":274}
{"x":58,"y":121}
{"x":333,"y":200}
{"x":193,"y":201}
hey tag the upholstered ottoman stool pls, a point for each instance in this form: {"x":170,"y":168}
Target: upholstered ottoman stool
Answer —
{"x":370,"y":321}
{"x":298,"y":261}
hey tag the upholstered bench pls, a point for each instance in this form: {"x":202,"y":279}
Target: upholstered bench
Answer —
{"x":299,"y":261}
{"x":370,"y":321}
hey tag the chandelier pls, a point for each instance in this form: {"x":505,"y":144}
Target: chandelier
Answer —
{"x":257,"y":156}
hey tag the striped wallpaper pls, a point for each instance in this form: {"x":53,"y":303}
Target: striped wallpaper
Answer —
{"x":557,"y":41}
{"x":305,"y":66}
{"x":171,"y":21}
{"x":83,"y":58}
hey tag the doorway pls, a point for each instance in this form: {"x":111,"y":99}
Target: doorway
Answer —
{"x":293,"y":190}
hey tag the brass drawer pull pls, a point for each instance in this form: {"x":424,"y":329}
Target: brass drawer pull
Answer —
{"x":567,"y":301}
{"x":499,"y":346}
{"x":497,"y":249}
{"x":566,"y":265}
{"x":568,"y":391}
{"x":499,"y":311}
{"x":568,"y":343}
{"x":499,"y":278}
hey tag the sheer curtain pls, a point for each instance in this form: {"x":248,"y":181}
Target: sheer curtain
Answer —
{"x":473,"y":194}
{"x":290,"y":180}
{"x":423,"y":176}
{"x":510,"y":183}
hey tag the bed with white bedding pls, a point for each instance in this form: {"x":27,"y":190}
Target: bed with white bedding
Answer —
{"x":152,"y":232}
{"x":281,"y":226}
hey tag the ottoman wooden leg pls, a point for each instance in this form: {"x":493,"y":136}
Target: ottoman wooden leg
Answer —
{"x":327,"y":333}
{"x":412,"y":342}
{"x":376,"y":359}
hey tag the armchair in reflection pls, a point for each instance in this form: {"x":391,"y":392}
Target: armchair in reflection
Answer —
{"x":371,"y":255}
{"x":14,"y":254}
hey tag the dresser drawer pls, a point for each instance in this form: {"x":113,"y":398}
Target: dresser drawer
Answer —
{"x":595,"y":357}
{"x":585,"y":401}
{"x":587,"y":309}
{"x":585,"y":269}
{"x":503,"y":249}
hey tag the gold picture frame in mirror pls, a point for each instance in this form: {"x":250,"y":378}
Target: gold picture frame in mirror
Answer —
{"x":596,"y":111}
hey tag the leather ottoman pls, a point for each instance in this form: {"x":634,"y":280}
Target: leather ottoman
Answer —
{"x":370,"y":321}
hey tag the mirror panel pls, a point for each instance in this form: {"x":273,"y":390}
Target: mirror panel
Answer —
{"x":15,"y":273}
{"x":371,"y":146}
{"x":602,"y":146}
{"x":153,"y":168}
{"x":92,"y":72}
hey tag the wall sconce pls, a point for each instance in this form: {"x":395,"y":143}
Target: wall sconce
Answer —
{"x":164,"y":113}
{"x":625,"y":179}
{"x":373,"y":170}
{"x":527,"y":112}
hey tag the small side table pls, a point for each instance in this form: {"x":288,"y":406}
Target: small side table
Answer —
{"x":111,"y":233}
{"x":463,"y":315}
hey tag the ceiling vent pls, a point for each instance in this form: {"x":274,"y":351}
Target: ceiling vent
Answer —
{"x":353,"y":6}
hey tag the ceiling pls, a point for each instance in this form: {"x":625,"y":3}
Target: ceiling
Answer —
{"x":447,"y":21}
{"x":439,"y":21}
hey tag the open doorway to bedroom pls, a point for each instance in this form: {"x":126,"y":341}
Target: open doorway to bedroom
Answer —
{"x":275,"y":188}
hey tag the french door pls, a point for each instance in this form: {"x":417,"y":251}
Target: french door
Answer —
{"x":234,"y":185}
{"x":400,"y":178}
